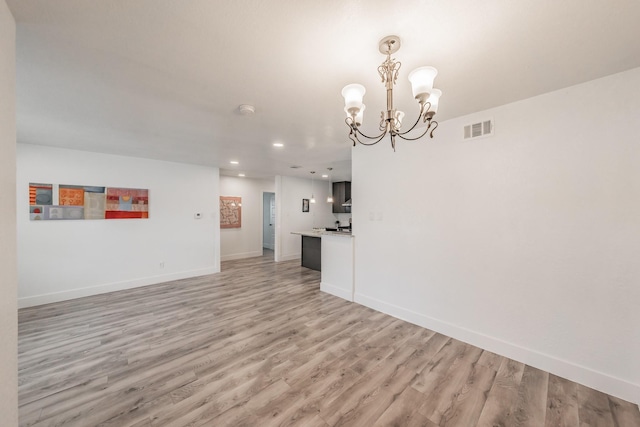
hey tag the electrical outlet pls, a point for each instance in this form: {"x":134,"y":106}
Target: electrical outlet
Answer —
{"x":162,"y":264}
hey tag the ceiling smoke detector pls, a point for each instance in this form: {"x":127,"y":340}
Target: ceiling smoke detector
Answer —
{"x":246,"y":109}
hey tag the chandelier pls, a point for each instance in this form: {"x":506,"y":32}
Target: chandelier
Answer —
{"x":391,"y":120}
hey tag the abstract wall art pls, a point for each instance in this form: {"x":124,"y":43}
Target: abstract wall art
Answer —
{"x":230,"y":212}
{"x":67,"y":202}
{"x":127,"y":203}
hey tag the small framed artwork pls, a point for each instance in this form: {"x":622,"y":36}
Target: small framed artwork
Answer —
{"x":230,"y":212}
{"x":305,"y":205}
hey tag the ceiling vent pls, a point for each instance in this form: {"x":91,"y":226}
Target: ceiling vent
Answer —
{"x":477,"y":130}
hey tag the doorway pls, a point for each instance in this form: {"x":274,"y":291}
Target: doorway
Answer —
{"x":268,"y":221}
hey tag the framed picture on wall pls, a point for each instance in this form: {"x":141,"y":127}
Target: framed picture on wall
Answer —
{"x":230,"y":212}
{"x":305,"y":205}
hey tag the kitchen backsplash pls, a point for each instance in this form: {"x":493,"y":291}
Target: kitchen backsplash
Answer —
{"x":343,"y":218}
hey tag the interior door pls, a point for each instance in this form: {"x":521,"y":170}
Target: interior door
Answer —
{"x":272,"y":214}
{"x":269,"y":221}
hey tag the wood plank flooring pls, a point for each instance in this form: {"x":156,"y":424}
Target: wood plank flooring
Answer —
{"x":260,"y":345}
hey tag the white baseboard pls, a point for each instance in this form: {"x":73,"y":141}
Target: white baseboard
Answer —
{"x":334,"y":290}
{"x":598,"y":380}
{"x":241,"y":255}
{"x":34,"y":300}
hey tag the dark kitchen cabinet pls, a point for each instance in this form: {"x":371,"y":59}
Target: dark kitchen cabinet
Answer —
{"x":341,"y":194}
{"x":312,"y":252}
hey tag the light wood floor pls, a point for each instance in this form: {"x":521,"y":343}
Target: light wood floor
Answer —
{"x":260,"y":345}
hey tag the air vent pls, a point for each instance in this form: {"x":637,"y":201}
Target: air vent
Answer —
{"x":477,"y":130}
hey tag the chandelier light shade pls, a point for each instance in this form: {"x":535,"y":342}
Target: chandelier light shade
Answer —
{"x":391,"y":120}
{"x":353,"y":95}
{"x":434,"y":99}
{"x":422,"y":82}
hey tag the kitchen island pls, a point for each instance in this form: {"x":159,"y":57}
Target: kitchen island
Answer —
{"x":336,"y":260}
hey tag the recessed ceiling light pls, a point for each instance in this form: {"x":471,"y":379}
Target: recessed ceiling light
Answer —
{"x":246,"y":109}
{"x":240,"y":174}
{"x":234,"y":162}
{"x":278,"y":144}
{"x":325,"y":176}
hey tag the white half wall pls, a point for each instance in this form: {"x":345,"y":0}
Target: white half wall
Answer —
{"x":525,"y":243}
{"x":337,"y":265}
{"x":8,"y":266}
{"x":244,"y":242}
{"x":60,"y":260}
{"x":289,"y":216}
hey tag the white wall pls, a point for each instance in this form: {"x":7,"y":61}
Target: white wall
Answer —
{"x":525,"y":243}
{"x":59,"y":260}
{"x":8,"y":269}
{"x":289,"y":216}
{"x":244,"y":242}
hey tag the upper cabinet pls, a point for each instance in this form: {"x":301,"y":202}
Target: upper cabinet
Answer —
{"x":341,"y":194}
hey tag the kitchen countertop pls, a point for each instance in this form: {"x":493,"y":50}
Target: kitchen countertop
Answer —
{"x":322,"y":232}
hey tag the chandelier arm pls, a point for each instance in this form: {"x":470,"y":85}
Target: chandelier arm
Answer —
{"x":379,"y":137}
{"x":434,"y":128}
{"x":349,"y":122}
{"x":423,"y":110}
{"x":355,"y":131}
{"x":354,"y":140}
{"x":369,"y":143}
{"x":412,"y":127}
{"x":423,"y":134}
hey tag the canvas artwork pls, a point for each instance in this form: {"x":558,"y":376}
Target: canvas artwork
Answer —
{"x":94,"y":205}
{"x":63,"y":212}
{"x":40,"y":195}
{"x":77,"y":196}
{"x":68,"y":202}
{"x":127,"y":203}
{"x":71,"y":195}
{"x":230,"y":212}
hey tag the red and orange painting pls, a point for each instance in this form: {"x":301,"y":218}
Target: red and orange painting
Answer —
{"x":124,"y":203}
{"x":68,"y":202}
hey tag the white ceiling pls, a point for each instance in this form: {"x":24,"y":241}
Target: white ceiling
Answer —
{"x":163,"y":79}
